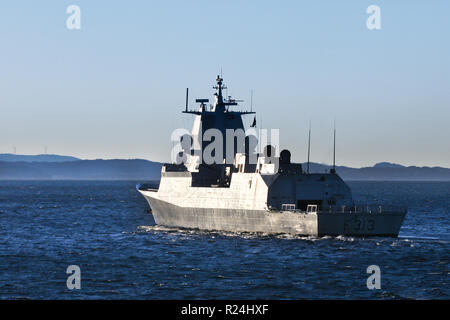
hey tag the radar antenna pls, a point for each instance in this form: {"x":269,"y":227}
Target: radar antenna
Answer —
{"x":187,"y":103}
{"x":187,"y":95}
{"x":334,"y":148}
{"x":221,"y":104}
{"x":309,"y":145}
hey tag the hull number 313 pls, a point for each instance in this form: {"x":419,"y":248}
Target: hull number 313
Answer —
{"x":359,"y":225}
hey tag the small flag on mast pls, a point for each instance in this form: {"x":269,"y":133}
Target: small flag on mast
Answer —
{"x":254,"y":122}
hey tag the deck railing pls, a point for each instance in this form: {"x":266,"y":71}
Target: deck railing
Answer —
{"x":369,"y":208}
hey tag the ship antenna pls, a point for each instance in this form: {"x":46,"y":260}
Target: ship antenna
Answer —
{"x":187,"y":95}
{"x":334,"y":148}
{"x":309,"y":145}
{"x":251,"y":100}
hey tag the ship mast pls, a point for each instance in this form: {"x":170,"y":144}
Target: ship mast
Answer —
{"x":187,"y":95}
{"x":220,"y":103}
{"x":309,"y":145}
{"x":334,"y":149}
{"x":219,"y":87}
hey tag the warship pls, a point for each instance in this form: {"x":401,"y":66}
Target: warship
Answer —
{"x":269,"y":195}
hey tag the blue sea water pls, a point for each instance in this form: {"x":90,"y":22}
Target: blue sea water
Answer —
{"x":105,"y":228}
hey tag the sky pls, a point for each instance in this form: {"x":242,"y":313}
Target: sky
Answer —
{"x":115,"y":88}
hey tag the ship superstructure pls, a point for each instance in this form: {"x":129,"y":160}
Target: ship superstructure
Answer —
{"x":257,"y":192}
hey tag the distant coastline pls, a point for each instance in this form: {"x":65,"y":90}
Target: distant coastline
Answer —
{"x":387,"y":172}
{"x":77,"y":169}
{"x":10,"y":157}
{"x":55,"y":167}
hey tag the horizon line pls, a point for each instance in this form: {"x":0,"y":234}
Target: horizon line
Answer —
{"x":320,"y":163}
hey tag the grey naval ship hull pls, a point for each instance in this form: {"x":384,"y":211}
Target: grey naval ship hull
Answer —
{"x":276,"y":222}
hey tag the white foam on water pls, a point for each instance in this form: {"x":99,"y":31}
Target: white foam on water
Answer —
{"x":345,"y":238}
{"x":407,"y":238}
{"x":244,"y":235}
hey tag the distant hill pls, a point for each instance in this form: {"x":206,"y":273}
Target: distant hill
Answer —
{"x":9,"y":157}
{"x":387,"y":165}
{"x":81,"y":170}
{"x":70,"y":168}
{"x":386,"y":171}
